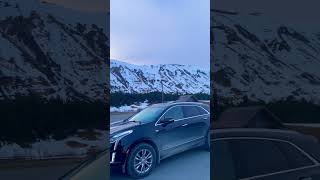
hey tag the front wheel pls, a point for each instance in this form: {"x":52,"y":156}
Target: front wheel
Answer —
{"x":141,"y":160}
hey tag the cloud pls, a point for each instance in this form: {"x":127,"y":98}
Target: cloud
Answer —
{"x":160,"y":32}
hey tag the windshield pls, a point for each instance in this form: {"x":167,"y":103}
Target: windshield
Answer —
{"x":147,"y":115}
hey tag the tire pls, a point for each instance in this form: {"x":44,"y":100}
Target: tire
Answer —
{"x":132,"y":161}
{"x":207,"y":141}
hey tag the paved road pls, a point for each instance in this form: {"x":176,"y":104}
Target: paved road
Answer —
{"x":47,"y":173}
{"x":194,"y":164}
{"x":114,"y":117}
{"x":190,"y":165}
{"x":46,"y":170}
{"x":95,"y":169}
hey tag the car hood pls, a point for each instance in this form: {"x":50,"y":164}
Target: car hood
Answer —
{"x":121,"y":126}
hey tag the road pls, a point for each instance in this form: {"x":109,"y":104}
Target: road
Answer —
{"x":96,"y":169}
{"x":35,"y":169}
{"x":114,"y":117}
{"x":49,"y":169}
{"x":190,"y":165}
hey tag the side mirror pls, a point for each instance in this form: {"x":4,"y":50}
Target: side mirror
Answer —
{"x":167,"y":121}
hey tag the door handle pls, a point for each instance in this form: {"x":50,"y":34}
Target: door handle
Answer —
{"x":184,"y":125}
{"x":205,"y":118}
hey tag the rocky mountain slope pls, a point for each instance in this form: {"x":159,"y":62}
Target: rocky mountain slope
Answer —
{"x":129,"y":78}
{"x":52,"y":52}
{"x":263,"y":60}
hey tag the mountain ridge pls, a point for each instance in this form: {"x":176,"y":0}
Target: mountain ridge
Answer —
{"x":49,"y":56}
{"x":176,"y":78}
{"x":260,"y":60}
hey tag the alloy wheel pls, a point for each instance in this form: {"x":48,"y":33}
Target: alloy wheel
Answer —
{"x":143,"y":161}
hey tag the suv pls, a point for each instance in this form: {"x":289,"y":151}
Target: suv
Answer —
{"x":264,"y":154}
{"x":157,"y":132}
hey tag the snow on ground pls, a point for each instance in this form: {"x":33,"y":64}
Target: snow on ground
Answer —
{"x":131,"y":108}
{"x":73,"y":146}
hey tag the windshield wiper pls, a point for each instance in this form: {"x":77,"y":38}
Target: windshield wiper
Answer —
{"x":127,"y":119}
{"x":135,"y":121}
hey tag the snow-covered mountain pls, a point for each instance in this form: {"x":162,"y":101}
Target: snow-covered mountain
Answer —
{"x":52,"y":51}
{"x":130,"y":78}
{"x":264,"y":60}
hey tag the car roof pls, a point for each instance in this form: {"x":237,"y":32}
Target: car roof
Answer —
{"x":306,"y":142}
{"x":169,"y":104}
{"x":256,"y":132}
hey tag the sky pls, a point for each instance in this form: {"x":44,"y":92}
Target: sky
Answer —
{"x":160,"y":31}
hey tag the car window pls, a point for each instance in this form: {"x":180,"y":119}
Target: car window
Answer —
{"x":201,"y":110}
{"x":190,"y":111}
{"x":223,"y":168}
{"x":174,"y":113}
{"x":149,"y":114}
{"x":294,"y":156}
{"x":257,"y":157}
{"x":245,"y":158}
{"x":206,"y":107}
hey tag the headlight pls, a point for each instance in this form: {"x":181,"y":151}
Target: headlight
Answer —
{"x":119,"y":136}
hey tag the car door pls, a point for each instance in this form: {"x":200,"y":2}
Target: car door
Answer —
{"x":196,"y":122}
{"x":301,"y":165}
{"x":266,"y":159}
{"x":308,"y":173}
{"x":169,"y":136}
{"x":222,"y":161}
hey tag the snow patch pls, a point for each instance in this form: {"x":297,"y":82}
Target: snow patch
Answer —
{"x":48,"y":149}
{"x":131,"y":108}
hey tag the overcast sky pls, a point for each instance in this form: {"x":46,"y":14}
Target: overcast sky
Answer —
{"x":160,"y":31}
